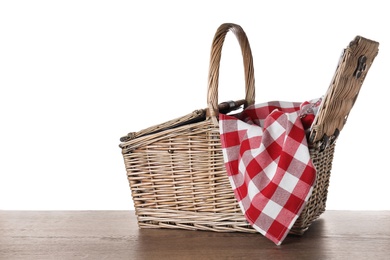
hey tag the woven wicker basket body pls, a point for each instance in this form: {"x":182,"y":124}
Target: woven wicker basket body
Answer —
{"x":176,"y":169}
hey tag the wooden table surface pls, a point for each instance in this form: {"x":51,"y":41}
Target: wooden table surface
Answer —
{"x":115,"y":235}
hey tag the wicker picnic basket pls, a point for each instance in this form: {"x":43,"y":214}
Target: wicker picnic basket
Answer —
{"x":176,"y":169}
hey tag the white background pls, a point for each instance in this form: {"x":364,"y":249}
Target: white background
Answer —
{"x":75,"y":76}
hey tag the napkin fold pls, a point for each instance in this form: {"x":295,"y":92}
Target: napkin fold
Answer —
{"x":268,"y":163}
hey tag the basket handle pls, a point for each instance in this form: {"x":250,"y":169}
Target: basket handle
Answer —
{"x":343,"y":91}
{"x":215,"y":58}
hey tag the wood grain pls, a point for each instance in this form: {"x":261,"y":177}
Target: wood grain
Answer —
{"x":115,"y":235}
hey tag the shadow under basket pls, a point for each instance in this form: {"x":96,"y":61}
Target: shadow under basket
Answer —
{"x":176,"y":169}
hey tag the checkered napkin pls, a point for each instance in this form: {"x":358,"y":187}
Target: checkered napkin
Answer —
{"x":268,"y":163}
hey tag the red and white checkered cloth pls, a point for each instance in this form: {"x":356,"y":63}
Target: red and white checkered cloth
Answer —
{"x":268,"y":163}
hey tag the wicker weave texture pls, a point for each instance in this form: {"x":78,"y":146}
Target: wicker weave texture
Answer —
{"x":176,"y":169}
{"x":344,"y":89}
{"x":180,"y":181}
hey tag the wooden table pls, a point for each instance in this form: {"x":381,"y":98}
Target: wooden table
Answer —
{"x":115,"y":235}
